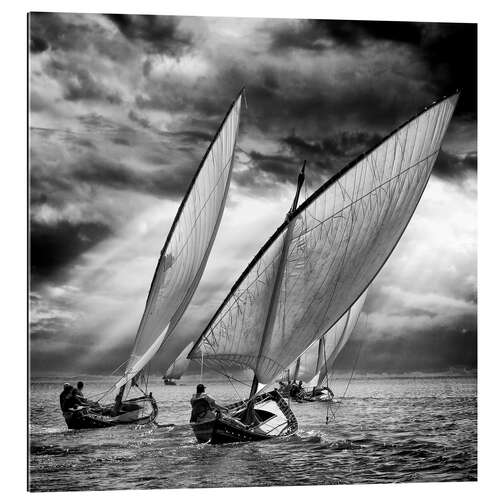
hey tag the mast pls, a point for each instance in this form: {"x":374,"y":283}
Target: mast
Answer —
{"x":297,"y":369}
{"x":321,"y":349}
{"x":271,"y":314}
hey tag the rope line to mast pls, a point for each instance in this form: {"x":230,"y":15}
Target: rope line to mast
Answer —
{"x":334,"y":413}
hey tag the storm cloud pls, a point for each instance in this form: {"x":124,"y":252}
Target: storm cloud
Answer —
{"x":122,"y":108}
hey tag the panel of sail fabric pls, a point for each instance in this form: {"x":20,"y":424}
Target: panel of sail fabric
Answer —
{"x":235,"y":339}
{"x":334,"y":341}
{"x":185,"y":257}
{"x":340,"y":241}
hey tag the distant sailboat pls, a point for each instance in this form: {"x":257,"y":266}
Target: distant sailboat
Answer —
{"x":179,"y":366}
{"x":316,"y":362}
{"x":178,"y":272}
{"x":317,"y":264}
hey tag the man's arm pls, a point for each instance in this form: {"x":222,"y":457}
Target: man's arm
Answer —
{"x":214,"y":404}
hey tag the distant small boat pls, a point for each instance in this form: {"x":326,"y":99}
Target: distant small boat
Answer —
{"x":178,"y":272}
{"x":313,"y":269}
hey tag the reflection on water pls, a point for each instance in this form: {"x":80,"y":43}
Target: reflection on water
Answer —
{"x":386,"y":430}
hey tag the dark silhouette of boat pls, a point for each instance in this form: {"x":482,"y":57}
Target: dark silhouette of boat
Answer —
{"x":138,"y":411}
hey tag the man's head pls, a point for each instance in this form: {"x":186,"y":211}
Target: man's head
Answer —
{"x":200,"y":388}
{"x":79,"y":385}
{"x":66,"y":387}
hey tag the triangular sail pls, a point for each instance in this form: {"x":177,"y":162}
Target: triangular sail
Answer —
{"x":342,"y":236}
{"x":180,"y":365}
{"x":186,"y":250}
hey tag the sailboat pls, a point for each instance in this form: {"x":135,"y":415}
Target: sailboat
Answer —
{"x":316,"y":265}
{"x":178,"y":367}
{"x":179,"y":269}
{"x":316,"y":363}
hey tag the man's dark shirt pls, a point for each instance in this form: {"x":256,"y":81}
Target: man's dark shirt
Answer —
{"x":62,"y":398}
{"x":68,"y":402}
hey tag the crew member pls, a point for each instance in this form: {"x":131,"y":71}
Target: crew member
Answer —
{"x":203,"y":406}
{"x":67,"y":388}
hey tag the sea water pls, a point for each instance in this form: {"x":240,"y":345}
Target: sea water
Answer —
{"x":385,"y":429}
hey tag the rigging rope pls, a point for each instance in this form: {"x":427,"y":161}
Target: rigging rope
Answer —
{"x":201,"y":365}
{"x":334,"y":413}
{"x":328,"y":406}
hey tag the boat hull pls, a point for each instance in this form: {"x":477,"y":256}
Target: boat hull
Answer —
{"x":135,"y":413}
{"x":310,"y":397}
{"x":228,"y":428}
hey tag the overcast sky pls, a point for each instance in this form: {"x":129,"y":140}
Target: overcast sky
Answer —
{"x":122,"y":110}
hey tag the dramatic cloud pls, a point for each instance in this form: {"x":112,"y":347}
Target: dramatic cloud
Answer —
{"x":55,"y":245}
{"x":122,"y":109}
{"x":158,"y":34}
{"x":455,"y":167}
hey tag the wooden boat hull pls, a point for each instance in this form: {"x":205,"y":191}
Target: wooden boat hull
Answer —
{"x":278,"y":421}
{"x":323,"y":396}
{"x":134,"y":412}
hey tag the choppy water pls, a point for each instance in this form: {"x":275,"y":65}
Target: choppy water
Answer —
{"x":385,"y":430}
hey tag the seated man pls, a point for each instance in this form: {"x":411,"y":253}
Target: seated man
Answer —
{"x":67,"y":388}
{"x":294,"y":389}
{"x":72,"y":401}
{"x":82,"y":401}
{"x":79,"y":389}
{"x":203,"y":406}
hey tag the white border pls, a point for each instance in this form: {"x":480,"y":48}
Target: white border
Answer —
{"x":13,"y":291}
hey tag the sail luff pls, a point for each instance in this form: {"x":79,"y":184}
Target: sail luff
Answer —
{"x":201,"y":269}
{"x":200,"y":166}
{"x":188,"y":193}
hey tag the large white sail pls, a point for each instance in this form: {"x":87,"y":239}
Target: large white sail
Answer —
{"x":317,"y":360}
{"x":186,"y":250}
{"x":180,"y":365}
{"x":334,"y":245}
